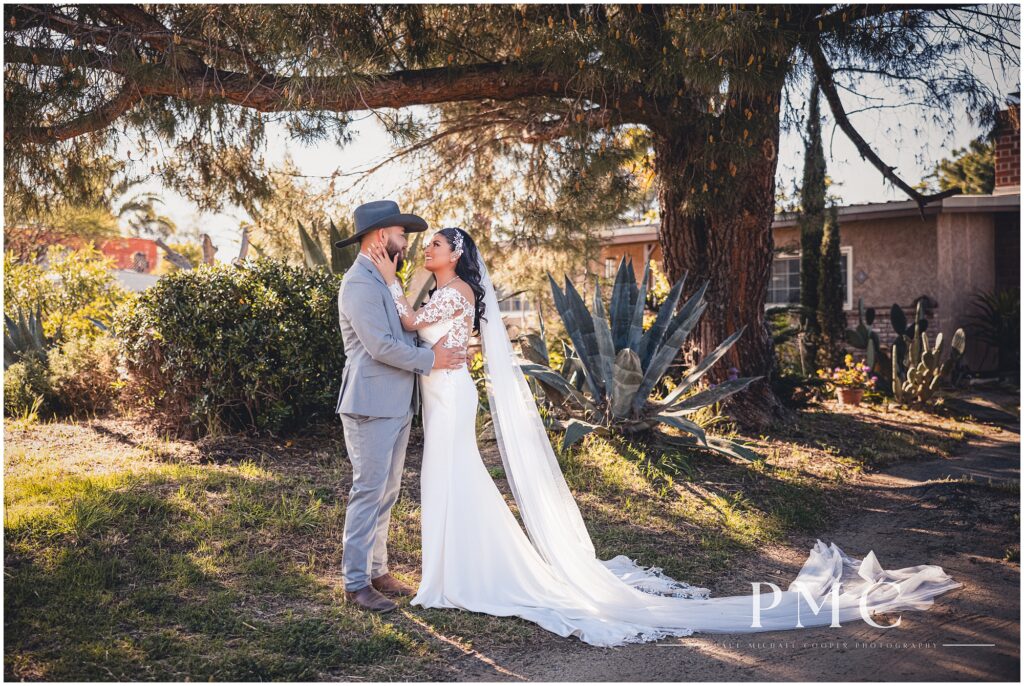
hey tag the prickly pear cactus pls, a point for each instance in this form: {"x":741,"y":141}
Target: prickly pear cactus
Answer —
{"x":924,"y":367}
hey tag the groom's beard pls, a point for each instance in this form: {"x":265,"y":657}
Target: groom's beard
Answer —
{"x":394,"y":250}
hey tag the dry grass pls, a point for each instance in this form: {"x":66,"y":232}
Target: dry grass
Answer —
{"x":135,"y":557}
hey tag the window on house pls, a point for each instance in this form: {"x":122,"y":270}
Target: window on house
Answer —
{"x":518,"y":304}
{"x":503,"y":304}
{"x":610,"y":267}
{"x":784,"y":287}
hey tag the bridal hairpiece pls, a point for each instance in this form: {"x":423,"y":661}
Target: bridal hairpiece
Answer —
{"x":457,"y":243}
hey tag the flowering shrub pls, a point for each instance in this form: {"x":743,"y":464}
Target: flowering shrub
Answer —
{"x":853,"y":375}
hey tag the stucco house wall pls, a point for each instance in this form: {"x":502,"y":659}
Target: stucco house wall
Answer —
{"x":892,"y":261}
{"x":966,"y":265}
{"x":895,"y":256}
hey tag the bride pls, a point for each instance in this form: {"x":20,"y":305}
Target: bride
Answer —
{"x":477,"y":557}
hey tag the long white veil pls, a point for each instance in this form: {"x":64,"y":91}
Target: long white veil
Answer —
{"x":642,"y":603}
{"x":548,"y":508}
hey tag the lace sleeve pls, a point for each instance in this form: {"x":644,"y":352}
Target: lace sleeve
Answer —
{"x":445,"y":304}
{"x":458,"y":335}
{"x":398,"y":295}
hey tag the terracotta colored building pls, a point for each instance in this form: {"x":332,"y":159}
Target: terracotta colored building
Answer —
{"x":137,"y":261}
{"x":137,"y":254}
{"x":964,"y":245}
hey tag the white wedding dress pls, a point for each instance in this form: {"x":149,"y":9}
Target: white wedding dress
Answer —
{"x":477,"y":557}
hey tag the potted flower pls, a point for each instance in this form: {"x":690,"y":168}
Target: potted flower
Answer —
{"x":850,"y":381}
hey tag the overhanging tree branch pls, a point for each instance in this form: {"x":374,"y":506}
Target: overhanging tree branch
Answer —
{"x":828,"y":87}
{"x":394,"y":90}
{"x":184,"y":74}
{"x":57,"y":57}
{"x":99,"y":118}
{"x":835,"y":20}
{"x":494,"y":81}
{"x":138,"y":26}
{"x":61,"y":23}
{"x":161,"y":38}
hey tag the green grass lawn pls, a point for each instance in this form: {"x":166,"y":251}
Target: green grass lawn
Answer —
{"x":133,"y":557}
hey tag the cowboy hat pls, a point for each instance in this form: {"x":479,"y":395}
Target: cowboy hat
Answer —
{"x":378,"y":215}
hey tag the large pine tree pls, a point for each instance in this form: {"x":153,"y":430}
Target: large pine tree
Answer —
{"x":971,"y":169}
{"x":545,"y":87}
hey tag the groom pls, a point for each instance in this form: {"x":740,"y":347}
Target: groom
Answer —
{"x":377,"y":400}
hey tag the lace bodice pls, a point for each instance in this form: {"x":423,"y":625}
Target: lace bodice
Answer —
{"x":447,"y":311}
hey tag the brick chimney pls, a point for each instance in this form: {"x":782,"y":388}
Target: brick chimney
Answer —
{"x":1007,"y":137}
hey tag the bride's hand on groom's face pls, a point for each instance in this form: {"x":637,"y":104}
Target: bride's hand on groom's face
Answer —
{"x":386,"y":265}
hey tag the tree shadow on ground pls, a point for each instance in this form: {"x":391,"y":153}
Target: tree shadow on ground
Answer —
{"x":224,"y":564}
{"x":175,"y":575}
{"x":871,"y":439}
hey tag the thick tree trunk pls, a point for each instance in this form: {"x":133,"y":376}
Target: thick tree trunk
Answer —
{"x":721,"y":232}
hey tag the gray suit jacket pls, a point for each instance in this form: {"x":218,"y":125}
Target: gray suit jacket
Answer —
{"x":381,"y":358}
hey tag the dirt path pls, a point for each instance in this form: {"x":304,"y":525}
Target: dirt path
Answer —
{"x":909,"y":514}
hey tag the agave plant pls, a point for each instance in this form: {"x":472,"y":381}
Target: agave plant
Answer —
{"x":25,"y":337}
{"x":612,"y":368}
{"x":314,"y":256}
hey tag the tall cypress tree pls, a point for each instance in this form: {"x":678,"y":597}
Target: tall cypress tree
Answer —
{"x":812,"y":225}
{"x":831,"y":317}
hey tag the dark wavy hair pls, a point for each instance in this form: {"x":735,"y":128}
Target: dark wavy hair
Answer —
{"x":466,"y":269}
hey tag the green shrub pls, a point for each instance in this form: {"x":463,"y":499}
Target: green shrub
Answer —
{"x":229,"y":348}
{"x":27,"y":387}
{"x":83,"y":376}
{"x":78,"y":286}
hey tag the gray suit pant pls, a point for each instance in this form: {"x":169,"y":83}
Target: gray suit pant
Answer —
{"x":376,"y":448}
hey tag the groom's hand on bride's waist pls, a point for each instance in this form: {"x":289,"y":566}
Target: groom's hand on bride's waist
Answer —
{"x":448,"y":358}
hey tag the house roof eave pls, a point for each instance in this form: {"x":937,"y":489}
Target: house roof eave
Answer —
{"x":630,"y":234}
{"x":1003,"y":202}
{"x":996,"y":202}
{"x":879,"y":210}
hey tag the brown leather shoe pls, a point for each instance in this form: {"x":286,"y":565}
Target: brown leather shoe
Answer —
{"x":392,"y":586}
{"x":370,"y":599}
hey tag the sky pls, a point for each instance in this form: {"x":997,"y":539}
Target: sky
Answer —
{"x":904,"y":137}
